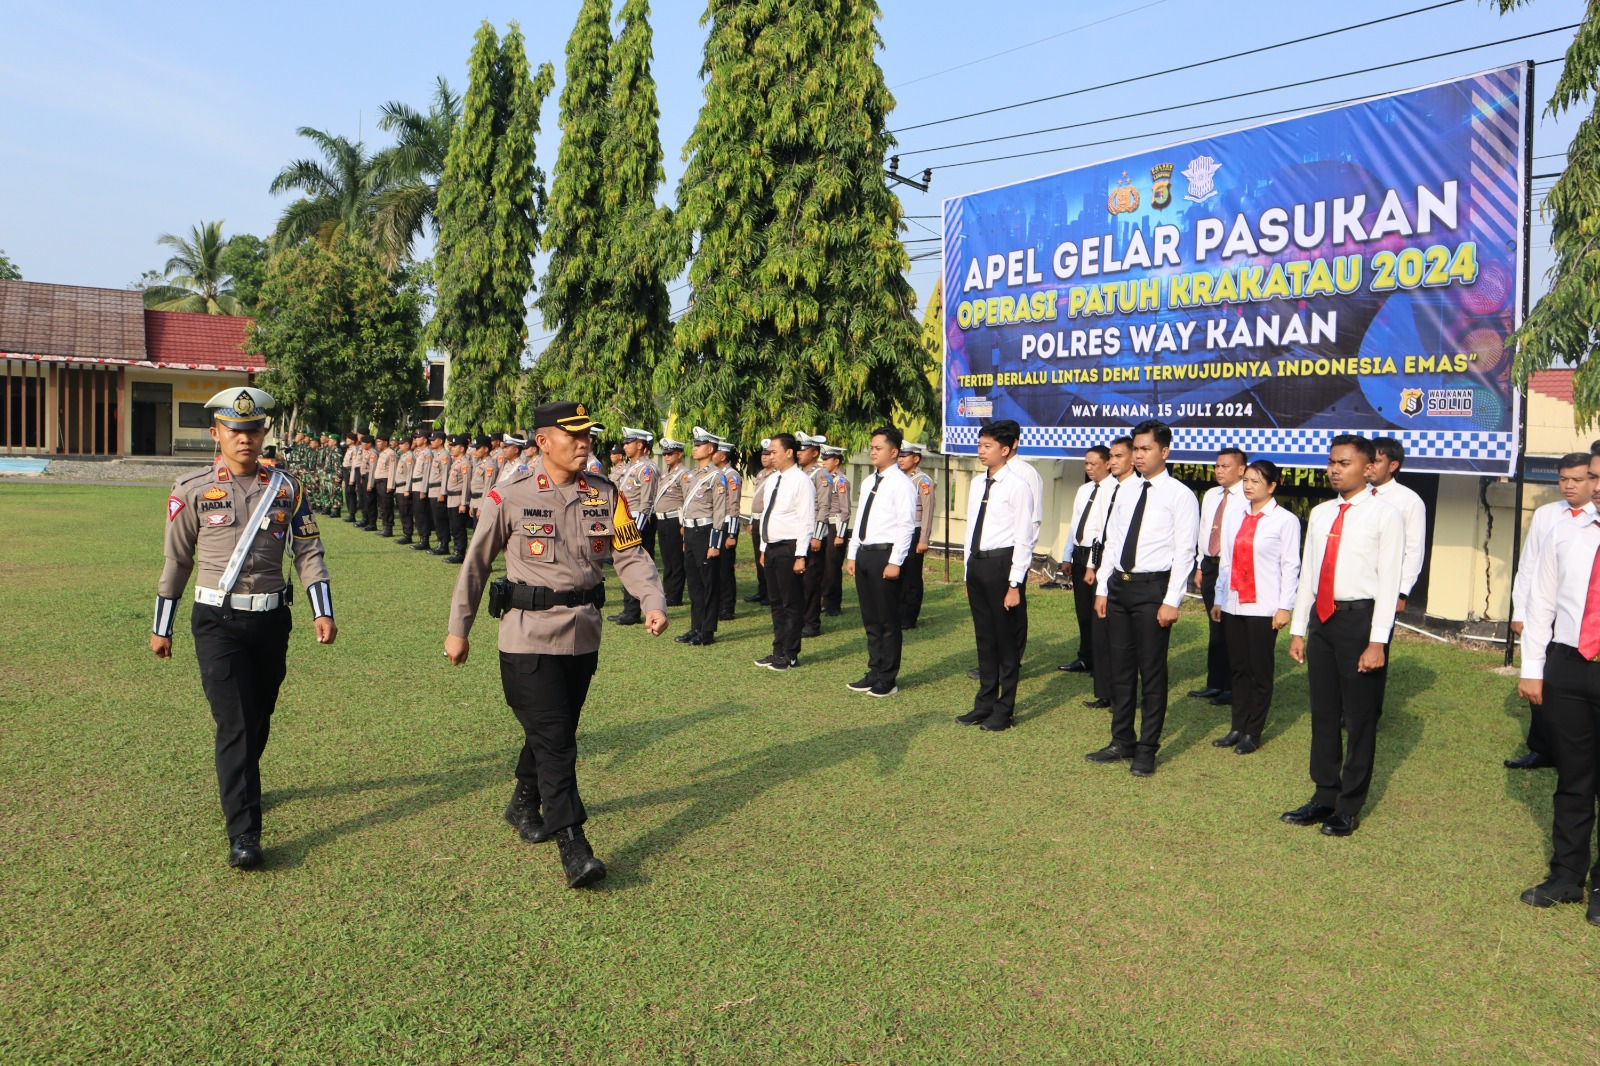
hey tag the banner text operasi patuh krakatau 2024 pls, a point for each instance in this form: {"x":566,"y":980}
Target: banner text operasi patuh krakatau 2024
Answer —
{"x":1353,"y":270}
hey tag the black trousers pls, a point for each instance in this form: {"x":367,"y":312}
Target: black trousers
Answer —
{"x":1539,"y":738}
{"x":402,"y":502}
{"x":459,"y":520}
{"x":911,"y":583}
{"x":879,"y":599}
{"x":1138,"y":647}
{"x":1251,"y":644}
{"x":1218,"y":673}
{"x":1345,"y":705}
{"x":816,"y":575}
{"x":243,"y":657}
{"x":385,"y":506}
{"x":352,"y":495}
{"x":441,"y":520}
{"x":761,"y":571}
{"x":787,"y":590}
{"x":728,"y":580}
{"x":1001,"y":633}
{"x":833,"y":590}
{"x":369,"y":504}
{"x":704,"y":579}
{"x":670,"y":537}
{"x":422,"y":513}
{"x":1083,"y":606}
{"x":1100,"y":636}
{"x":546,"y":693}
{"x":1572,"y":715}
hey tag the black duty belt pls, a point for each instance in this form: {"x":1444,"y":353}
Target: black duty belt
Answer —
{"x":1163,"y":576}
{"x":994,"y":553}
{"x":885,"y":546}
{"x":505,"y":596}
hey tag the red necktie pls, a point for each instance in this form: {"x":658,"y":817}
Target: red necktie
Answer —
{"x":1243,"y":578}
{"x":1330,"y":560}
{"x":1576,"y":511}
{"x":1589,"y":631}
{"x":1214,"y":544}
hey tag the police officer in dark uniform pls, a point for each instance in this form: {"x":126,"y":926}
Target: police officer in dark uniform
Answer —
{"x":556,"y":526}
{"x":230,"y":525}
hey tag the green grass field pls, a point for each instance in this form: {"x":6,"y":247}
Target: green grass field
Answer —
{"x":798,"y":873}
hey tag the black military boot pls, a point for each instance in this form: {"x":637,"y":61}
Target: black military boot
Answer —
{"x":522,"y":813}
{"x":245,"y":854}
{"x":577,"y":858}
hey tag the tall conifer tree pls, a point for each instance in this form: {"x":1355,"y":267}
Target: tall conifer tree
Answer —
{"x":802,"y":316}
{"x":491,"y":199}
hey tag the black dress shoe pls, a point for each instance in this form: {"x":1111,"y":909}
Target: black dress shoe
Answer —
{"x":1098,"y":705}
{"x":1109,"y":753}
{"x":577,"y":858}
{"x":1222,"y":699}
{"x":456,"y":560}
{"x":808,"y":633}
{"x":385,"y":532}
{"x":726,"y":616}
{"x":1076,"y":666}
{"x":702,"y":640}
{"x":1532,"y":761}
{"x":974,"y":674}
{"x":973,"y":717}
{"x":1144,"y":765}
{"x":674,"y":603}
{"x":404,"y":540}
{"x":626,"y":620}
{"x":756,"y":598}
{"x":1594,"y":909}
{"x":1340,"y":825}
{"x":1312,"y":813}
{"x":1203,"y":693}
{"x":860,"y":686}
{"x":686,"y":638}
{"x":998,"y":722}
{"x":1226,"y":741}
{"x":439,"y":551}
{"x":833,"y":612}
{"x":1549,"y":893}
{"x":1246,"y":745}
{"x":420,"y":546}
{"x":245,"y":853}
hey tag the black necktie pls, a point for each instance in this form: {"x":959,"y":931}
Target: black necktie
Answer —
{"x":866,"y":510}
{"x":983,"y":509}
{"x":766,"y":512}
{"x":1130,"y":546}
{"x":1077,"y":537}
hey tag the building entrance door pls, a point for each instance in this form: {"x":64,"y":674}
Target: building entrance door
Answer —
{"x":152,"y":418}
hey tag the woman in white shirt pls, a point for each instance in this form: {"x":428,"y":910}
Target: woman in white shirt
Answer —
{"x":1260,"y":571}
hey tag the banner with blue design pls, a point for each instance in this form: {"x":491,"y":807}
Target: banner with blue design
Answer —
{"x":1352,"y":270}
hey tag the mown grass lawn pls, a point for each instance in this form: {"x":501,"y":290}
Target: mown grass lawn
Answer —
{"x":798,"y":873}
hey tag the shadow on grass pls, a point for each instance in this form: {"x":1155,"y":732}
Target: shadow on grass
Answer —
{"x":722,"y":789}
{"x":1534,"y":789}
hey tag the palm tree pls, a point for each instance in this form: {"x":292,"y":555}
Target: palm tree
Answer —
{"x":340,"y":192}
{"x":194,"y":275}
{"x":409,"y":171}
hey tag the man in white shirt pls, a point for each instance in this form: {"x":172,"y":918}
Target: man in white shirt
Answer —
{"x":1560,"y":673}
{"x":1149,"y":554}
{"x":1575,"y":506}
{"x":1343,"y":618}
{"x":880,"y":539}
{"x":998,"y":553}
{"x":1226,"y":497}
{"x":1388,"y":456}
{"x":788,"y":518}
{"x":1088,"y":504}
{"x":1122,"y":472}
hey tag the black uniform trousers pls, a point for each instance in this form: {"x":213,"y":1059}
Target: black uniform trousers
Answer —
{"x":1539,"y":738}
{"x":546,"y":693}
{"x":422,"y":513}
{"x":352,"y":494}
{"x":727,"y":580}
{"x":762,"y":596}
{"x":816,"y":575}
{"x":459,"y":520}
{"x":704,"y":579}
{"x":787,"y":591}
{"x":243,"y":657}
{"x":1001,"y":633}
{"x":1218,"y":673}
{"x":1572,"y":716}
{"x":1252,"y":643}
{"x":879,"y":599}
{"x":1345,"y":705}
{"x":402,"y":500}
{"x":833,"y":590}
{"x":1138,"y":647}
{"x":385,"y":506}
{"x":441,"y":520}
{"x":1083,"y":606}
{"x":369,"y":503}
{"x":911,"y":583}
{"x":672,"y":573}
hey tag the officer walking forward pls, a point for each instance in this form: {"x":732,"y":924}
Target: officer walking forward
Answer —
{"x":233,"y":521}
{"x":556,"y":527}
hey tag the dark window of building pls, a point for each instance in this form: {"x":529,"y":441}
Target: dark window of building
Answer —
{"x":194,"y":416}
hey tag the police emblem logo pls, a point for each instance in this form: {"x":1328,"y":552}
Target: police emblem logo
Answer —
{"x":537,"y":548}
{"x":1201,"y":173}
{"x":243,"y":405}
{"x":214,"y":493}
{"x":1161,"y":190}
{"x":581,"y":412}
{"x":280,"y":516}
{"x":599,"y":545}
{"x":598,"y":527}
{"x":1411,"y":402}
{"x":1123,"y":198}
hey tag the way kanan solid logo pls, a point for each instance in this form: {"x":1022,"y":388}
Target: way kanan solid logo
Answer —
{"x":1411,"y":402}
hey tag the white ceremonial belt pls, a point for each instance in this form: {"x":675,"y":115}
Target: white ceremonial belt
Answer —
{"x":664,"y":515}
{"x":260,"y":601}
{"x":696,"y":523}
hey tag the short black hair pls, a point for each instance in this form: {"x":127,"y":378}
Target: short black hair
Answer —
{"x":1235,"y":452}
{"x":1389,"y":448}
{"x":1267,"y":469}
{"x":1594,"y":448}
{"x":1160,"y":430}
{"x":1572,"y":459}
{"x":1124,"y":440}
{"x":1101,"y":450}
{"x":785,"y":441}
{"x":1004,"y":432}
{"x":890,"y":434}
{"x":1356,"y":441}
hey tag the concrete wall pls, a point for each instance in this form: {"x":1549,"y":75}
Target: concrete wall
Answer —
{"x":188,"y":386}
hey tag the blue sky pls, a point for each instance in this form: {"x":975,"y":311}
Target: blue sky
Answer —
{"x":122,"y":122}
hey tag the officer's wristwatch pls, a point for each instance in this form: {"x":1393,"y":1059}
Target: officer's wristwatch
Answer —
{"x":1016,"y":584}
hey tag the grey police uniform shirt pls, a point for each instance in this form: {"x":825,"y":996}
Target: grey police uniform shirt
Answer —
{"x":673,"y":483}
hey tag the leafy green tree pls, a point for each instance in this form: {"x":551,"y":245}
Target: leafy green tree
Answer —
{"x":8,"y":269}
{"x":491,"y":203}
{"x":245,"y":261}
{"x":340,"y":193}
{"x":150,"y":279}
{"x":575,"y":232}
{"x":409,"y":171}
{"x":802,"y":316}
{"x":196,"y":279}
{"x":340,"y":336}
{"x":1564,"y":326}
